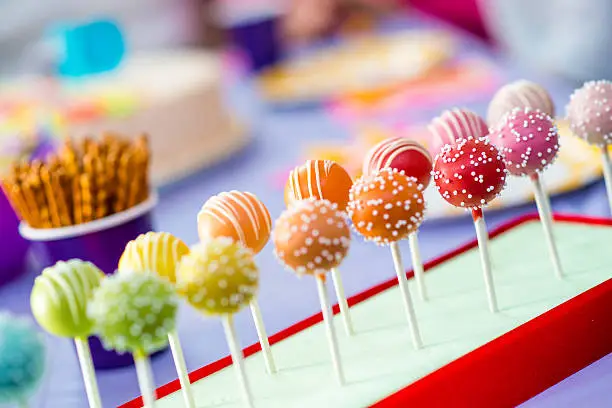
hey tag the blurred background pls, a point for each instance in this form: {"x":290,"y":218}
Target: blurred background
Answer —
{"x":235,"y":93}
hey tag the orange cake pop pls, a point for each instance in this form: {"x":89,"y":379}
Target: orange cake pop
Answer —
{"x":242,"y":217}
{"x":237,"y":215}
{"x":386,"y":206}
{"x":322,"y":179}
{"x":312,"y":237}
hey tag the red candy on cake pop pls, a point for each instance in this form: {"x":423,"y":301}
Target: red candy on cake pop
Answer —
{"x":469,"y":173}
{"x":401,"y":154}
{"x":519,"y":94}
{"x":590,"y":112}
{"x":457,"y":124}
{"x":528,"y":140}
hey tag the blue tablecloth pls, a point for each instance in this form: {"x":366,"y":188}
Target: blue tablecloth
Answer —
{"x":285,"y":299}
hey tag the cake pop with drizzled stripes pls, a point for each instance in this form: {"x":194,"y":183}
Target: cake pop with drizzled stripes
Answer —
{"x":322,"y":179}
{"x":455,"y":124}
{"x":519,"y":94}
{"x":244,"y":218}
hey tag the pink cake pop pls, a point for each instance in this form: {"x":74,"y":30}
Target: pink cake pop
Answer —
{"x":519,"y":94}
{"x":401,"y":154}
{"x":590,"y":115}
{"x":413,"y":159}
{"x":470,"y":174}
{"x":456,"y":124}
{"x":529,"y":142}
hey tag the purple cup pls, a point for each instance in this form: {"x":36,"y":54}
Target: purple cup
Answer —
{"x":258,"y":40}
{"x":14,"y":248}
{"x":101,"y":242}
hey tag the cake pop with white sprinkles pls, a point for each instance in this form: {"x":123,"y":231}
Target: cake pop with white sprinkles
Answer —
{"x":590,"y":116}
{"x":590,"y":112}
{"x":219,"y":277}
{"x":22,"y":359}
{"x":470,"y":174}
{"x":385,"y":207}
{"x":529,"y":142}
{"x":134,"y":312}
{"x":414,"y":160}
{"x":519,"y":94}
{"x":310,"y":238}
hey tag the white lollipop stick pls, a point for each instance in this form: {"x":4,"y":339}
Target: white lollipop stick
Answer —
{"x":403,"y":285}
{"x":145,"y":379}
{"x":417,"y":265}
{"x":331,"y":331}
{"x":342,"y":303}
{"x":607,"y":170}
{"x":89,"y":374}
{"x":263,"y":336}
{"x":181,"y":368}
{"x":236,"y":352}
{"x":485,"y":258}
{"x":543,"y":204}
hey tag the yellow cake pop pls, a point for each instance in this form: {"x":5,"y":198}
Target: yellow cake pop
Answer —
{"x":157,"y":252}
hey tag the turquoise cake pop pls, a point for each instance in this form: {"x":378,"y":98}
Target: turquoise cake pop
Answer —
{"x":22,"y":359}
{"x":134,"y":312}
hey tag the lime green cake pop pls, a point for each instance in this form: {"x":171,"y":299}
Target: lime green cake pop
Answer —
{"x":218,"y":277}
{"x":134,"y":312}
{"x":60,"y":296}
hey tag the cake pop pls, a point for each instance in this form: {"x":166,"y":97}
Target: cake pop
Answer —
{"x":22,"y":359}
{"x":312,"y":237}
{"x":134,"y":312}
{"x":519,"y":94}
{"x":470,"y":174}
{"x":327,"y":180}
{"x":220,"y":278}
{"x":159,"y":253}
{"x":456,"y":124}
{"x":414,"y":160}
{"x":243,"y":217}
{"x":59,"y":302}
{"x":323,"y":179}
{"x":529,"y":142}
{"x":590,"y":116}
{"x":385,"y":207}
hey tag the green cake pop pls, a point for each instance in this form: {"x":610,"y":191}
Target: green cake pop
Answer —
{"x":134,"y":312}
{"x":60,"y":295}
{"x":219,"y":277}
{"x":59,"y":302}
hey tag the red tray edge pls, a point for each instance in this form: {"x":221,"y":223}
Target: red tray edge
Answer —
{"x":400,"y":396}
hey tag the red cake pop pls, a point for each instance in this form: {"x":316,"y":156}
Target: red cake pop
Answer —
{"x":528,"y":140}
{"x":457,"y":124}
{"x":470,"y":173}
{"x":401,"y":154}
